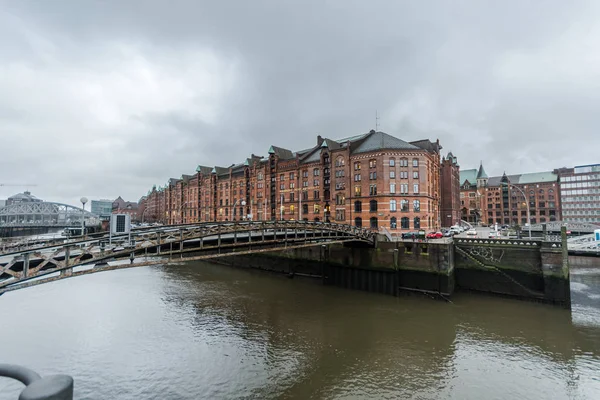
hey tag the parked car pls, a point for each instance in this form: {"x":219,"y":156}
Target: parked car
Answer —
{"x":447,"y":233}
{"x":435,"y":235}
{"x":413,"y":235}
{"x":494,"y":235}
{"x":472,"y":232}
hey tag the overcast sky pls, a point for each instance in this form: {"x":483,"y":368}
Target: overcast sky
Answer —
{"x":107,"y":98}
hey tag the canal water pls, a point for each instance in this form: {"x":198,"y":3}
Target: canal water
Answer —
{"x":204,"y":331}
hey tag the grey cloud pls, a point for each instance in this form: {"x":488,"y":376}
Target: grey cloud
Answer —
{"x":509,"y":83}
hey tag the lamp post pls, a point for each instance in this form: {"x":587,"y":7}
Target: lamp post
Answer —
{"x":243,"y":203}
{"x":526,"y":203}
{"x":83,"y":201}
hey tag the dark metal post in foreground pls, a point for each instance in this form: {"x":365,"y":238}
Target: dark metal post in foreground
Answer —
{"x":52,"y":387}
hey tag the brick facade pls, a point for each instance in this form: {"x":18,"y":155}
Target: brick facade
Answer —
{"x":450,"y":178}
{"x":372,"y":180}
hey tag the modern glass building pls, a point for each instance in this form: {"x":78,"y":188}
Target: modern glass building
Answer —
{"x":102,"y":208}
{"x":580,"y":193}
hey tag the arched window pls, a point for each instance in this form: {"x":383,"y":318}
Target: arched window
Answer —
{"x":393,"y":223}
{"x":393,"y":205}
{"x":550,"y":191}
{"x":373,"y":205}
{"x":339,"y":162}
{"x":357,"y":206}
{"x":417,"y":223}
{"x":392,"y":162}
{"x":415,"y":162}
{"x":373,"y":221}
{"x":404,"y":222}
{"x":358,"y":222}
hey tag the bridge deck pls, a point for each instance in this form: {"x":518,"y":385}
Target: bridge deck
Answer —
{"x":19,"y":269}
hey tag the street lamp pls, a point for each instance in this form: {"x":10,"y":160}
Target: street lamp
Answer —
{"x":83,"y":201}
{"x":243,"y":203}
{"x":526,"y":203}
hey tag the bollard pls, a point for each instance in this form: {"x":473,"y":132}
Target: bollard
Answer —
{"x":52,"y":387}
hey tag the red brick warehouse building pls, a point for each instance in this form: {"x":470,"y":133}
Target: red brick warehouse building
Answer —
{"x":372,"y":180}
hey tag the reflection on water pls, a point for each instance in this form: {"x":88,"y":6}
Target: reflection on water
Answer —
{"x":204,"y":331}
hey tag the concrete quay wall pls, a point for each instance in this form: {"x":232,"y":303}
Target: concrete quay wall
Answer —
{"x":515,"y":269}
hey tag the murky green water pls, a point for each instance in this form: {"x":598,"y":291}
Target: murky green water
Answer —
{"x":200,"y":331}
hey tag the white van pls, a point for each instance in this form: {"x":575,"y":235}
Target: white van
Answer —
{"x":455,"y":229}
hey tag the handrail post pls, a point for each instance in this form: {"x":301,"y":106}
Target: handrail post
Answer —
{"x":25,"y":265}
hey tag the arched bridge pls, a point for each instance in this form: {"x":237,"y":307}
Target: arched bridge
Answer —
{"x":44,"y":214}
{"x":166,"y":244}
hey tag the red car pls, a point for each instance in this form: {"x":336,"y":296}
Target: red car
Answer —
{"x":434,"y":235}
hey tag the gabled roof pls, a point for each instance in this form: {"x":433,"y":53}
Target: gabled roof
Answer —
{"x":186,"y":178}
{"x":380,"y":141}
{"x":220,"y":171}
{"x":525,"y":179}
{"x":468,"y":175}
{"x":282,"y":153}
{"x":331,"y":144}
{"x":427,"y":144}
{"x":310,"y":157}
{"x":203,"y":169}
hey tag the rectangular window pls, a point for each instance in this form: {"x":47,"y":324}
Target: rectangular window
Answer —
{"x":305,"y":173}
{"x":415,"y":162}
{"x":416,"y":188}
{"x":392,"y":174}
{"x":292,"y":185}
{"x":305,"y":195}
{"x":316,"y":182}
{"x":357,"y":191}
{"x":291,"y":175}
{"x":392,"y":205}
{"x":282,"y":177}
{"x":356,"y":177}
{"x":340,"y":215}
{"x":372,"y":190}
{"x":416,"y":205}
{"x":316,"y":195}
{"x":282,"y":186}
{"x":305,"y":184}
{"x":372,"y":175}
{"x":404,"y":205}
{"x":415,"y":175}
{"x":392,"y":188}
{"x":373,"y":164}
{"x":373,"y":206}
{"x":392,"y":162}
{"x":316,"y":172}
{"x":291,"y":197}
{"x":357,"y":166}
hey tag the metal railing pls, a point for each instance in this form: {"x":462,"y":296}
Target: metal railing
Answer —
{"x":51,"y":387}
